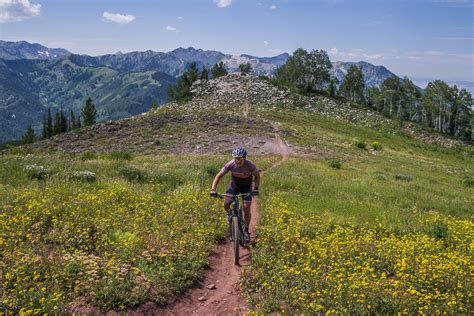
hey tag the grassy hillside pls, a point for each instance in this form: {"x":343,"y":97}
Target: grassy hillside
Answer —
{"x":359,"y":220}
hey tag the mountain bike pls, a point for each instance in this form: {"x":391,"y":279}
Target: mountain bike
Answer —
{"x":236,"y":225}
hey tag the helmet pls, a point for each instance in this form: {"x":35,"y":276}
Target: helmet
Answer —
{"x":239,"y":152}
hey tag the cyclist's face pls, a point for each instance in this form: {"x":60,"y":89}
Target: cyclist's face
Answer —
{"x":239,"y":161}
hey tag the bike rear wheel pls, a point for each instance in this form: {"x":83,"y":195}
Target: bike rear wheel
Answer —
{"x":235,"y":238}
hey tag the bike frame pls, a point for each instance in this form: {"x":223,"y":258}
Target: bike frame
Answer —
{"x":236,"y":212}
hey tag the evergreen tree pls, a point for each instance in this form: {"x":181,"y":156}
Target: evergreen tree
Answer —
{"x":182,"y":89}
{"x":154,"y":105}
{"x":89,"y":113}
{"x":218,"y":70}
{"x":245,"y":68}
{"x":63,"y":121}
{"x":353,"y":86}
{"x":72,"y":121}
{"x":29,"y":136}
{"x":49,"y":124}
{"x":78,"y":122}
{"x":44,"y":131}
{"x":57,"y":124}
{"x":204,"y":74}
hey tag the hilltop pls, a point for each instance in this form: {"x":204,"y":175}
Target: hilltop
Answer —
{"x":234,"y":109}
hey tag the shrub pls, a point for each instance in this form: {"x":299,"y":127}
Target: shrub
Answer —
{"x":381,"y":176}
{"x":335,"y":163}
{"x":88,"y":156}
{"x":212,"y":170}
{"x":403,"y":177}
{"x":468,"y":181}
{"x":133,"y":174}
{"x":36,"y":172}
{"x":438,"y":229}
{"x":376,"y":146}
{"x":360,"y":144}
{"x":121,"y":155}
{"x":86,"y":176}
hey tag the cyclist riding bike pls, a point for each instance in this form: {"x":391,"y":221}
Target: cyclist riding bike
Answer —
{"x":243,"y":172}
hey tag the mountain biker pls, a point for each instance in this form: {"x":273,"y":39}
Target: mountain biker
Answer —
{"x":243,"y":171}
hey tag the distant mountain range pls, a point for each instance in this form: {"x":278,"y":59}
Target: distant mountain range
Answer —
{"x":34,"y":77}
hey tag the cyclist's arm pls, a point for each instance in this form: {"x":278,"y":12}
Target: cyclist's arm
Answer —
{"x":256,"y":175}
{"x":217,"y":179}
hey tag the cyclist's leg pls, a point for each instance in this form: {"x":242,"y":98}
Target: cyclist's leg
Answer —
{"x":247,"y":204}
{"x":227,"y":200}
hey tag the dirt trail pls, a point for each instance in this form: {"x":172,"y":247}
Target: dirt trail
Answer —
{"x":217,"y":292}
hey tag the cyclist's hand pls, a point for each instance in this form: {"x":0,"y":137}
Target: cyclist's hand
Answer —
{"x":255,"y":191}
{"x":213,"y":193}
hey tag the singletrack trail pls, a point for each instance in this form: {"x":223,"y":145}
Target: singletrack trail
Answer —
{"x":217,"y":292}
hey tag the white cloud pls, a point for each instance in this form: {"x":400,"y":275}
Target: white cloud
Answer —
{"x":180,"y":17}
{"x":170,"y":28}
{"x":333,"y":51}
{"x":273,"y":7}
{"x":414,"y":57}
{"x":265,"y":43}
{"x":118,"y":18}
{"x":18,"y":10}
{"x":433,"y":53}
{"x":373,"y":56}
{"x":223,"y":3}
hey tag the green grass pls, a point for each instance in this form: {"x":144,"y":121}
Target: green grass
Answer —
{"x":140,"y":232}
{"x":355,"y":239}
{"x":335,"y":222}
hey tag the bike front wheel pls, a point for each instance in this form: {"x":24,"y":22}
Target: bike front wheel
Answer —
{"x":235,"y":238}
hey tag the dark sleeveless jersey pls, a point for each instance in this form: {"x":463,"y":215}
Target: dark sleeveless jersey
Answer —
{"x":241,"y":176}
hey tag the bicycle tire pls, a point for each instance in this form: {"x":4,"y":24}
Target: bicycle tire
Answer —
{"x":235,"y":239}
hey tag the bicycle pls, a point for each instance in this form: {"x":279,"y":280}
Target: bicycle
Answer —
{"x":236,"y":225}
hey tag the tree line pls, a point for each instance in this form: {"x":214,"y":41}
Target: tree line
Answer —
{"x":446,"y":109}
{"x":61,"y":124}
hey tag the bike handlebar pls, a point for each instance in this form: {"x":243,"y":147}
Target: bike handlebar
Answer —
{"x":243,"y":195}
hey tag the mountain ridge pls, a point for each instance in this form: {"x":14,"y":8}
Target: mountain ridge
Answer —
{"x":120,"y":84}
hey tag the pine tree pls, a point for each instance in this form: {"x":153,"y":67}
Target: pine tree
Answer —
{"x":89,"y":113}
{"x":49,"y":124}
{"x":44,"y":132}
{"x":29,"y":136}
{"x":182,"y":89}
{"x":72,"y":121}
{"x":218,"y":70}
{"x":245,"y":68}
{"x":63,"y":121}
{"x":57,"y":124}
{"x":78,"y":122}
{"x":204,"y":74}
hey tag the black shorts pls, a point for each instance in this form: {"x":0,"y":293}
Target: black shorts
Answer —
{"x":232,"y":188}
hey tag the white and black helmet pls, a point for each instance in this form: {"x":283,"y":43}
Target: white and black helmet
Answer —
{"x":239,"y":152}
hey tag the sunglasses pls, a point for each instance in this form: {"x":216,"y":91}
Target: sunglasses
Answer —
{"x":239,"y":158}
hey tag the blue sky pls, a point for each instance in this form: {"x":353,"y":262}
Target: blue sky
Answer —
{"x":417,"y":38}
